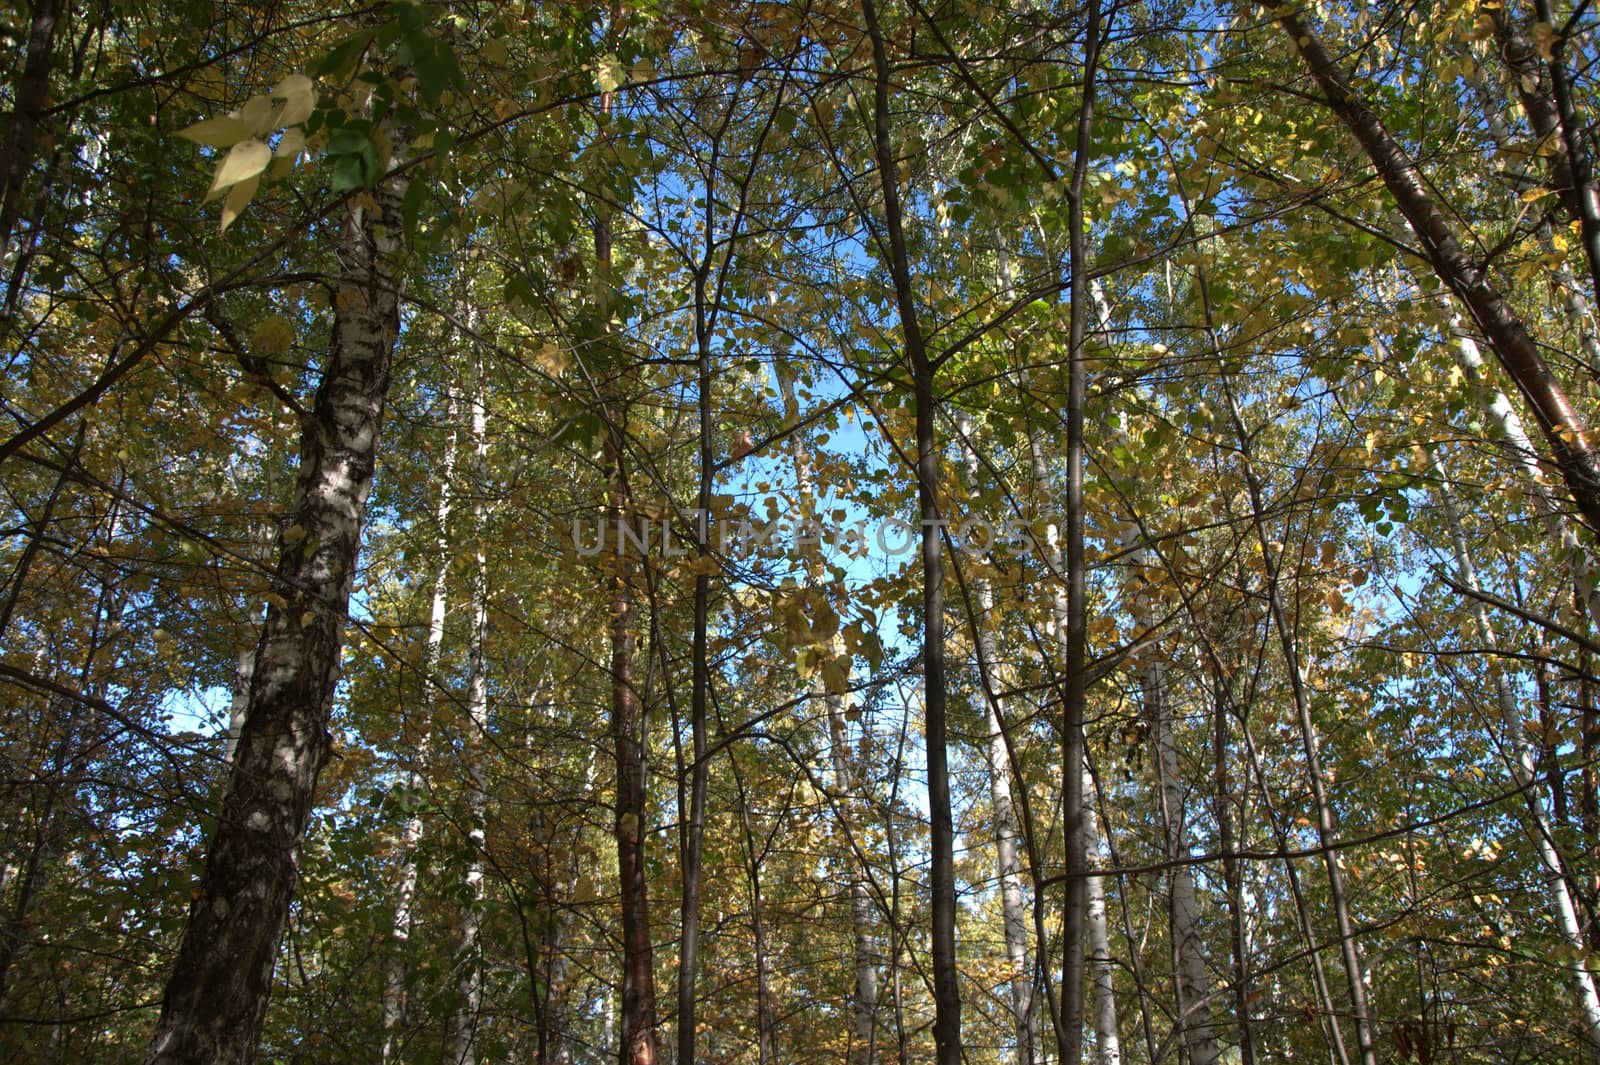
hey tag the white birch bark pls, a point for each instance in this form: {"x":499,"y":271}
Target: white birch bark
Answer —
{"x":216,"y":997}
{"x":864,"y":1000}
{"x":1108,"y":1041}
{"x":1519,"y":758}
{"x":1506,"y":419}
{"x":1189,"y":966}
{"x":997,"y":761}
{"x":406,"y":883}
{"x":462,"y":1041}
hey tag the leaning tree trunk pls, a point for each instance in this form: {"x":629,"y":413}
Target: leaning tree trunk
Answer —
{"x":1562,"y":425}
{"x":1509,"y":424}
{"x":460,"y":1046}
{"x":1546,"y":95}
{"x":1520,"y":758}
{"x":216,"y":996}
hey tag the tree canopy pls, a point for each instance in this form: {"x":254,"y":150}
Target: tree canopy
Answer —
{"x":872,"y":531}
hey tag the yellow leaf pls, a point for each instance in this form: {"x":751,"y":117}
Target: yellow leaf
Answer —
{"x":836,"y":674}
{"x":291,"y":144}
{"x":259,"y":114}
{"x":551,"y":359}
{"x":299,"y":94}
{"x":238,"y":197}
{"x":222,"y":132}
{"x":244,"y":161}
{"x":273,"y":335}
{"x":1544,"y":38}
{"x":608,"y":73}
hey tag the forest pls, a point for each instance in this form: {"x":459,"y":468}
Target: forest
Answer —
{"x":855,"y":531}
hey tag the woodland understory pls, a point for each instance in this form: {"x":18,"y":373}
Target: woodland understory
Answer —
{"x":860,"y":531}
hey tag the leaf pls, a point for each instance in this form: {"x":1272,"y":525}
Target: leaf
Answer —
{"x":238,"y":197}
{"x":273,"y":335}
{"x":290,"y":145}
{"x":1544,"y":40}
{"x":608,"y":73}
{"x":244,"y":161}
{"x":836,"y":675}
{"x":222,"y":132}
{"x":551,"y":359}
{"x":299,"y":94}
{"x":260,"y":115}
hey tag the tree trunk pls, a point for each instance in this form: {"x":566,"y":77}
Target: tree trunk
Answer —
{"x":394,"y":982}
{"x":1189,"y":967}
{"x":638,"y":1037}
{"x":997,"y":761}
{"x":638,"y":1013}
{"x":30,"y":96}
{"x":694,"y":831}
{"x":946,"y":987}
{"x":1520,"y":761}
{"x":461,"y":1045}
{"x":1547,"y":101}
{"x":1238,"y":942}
{"x":1506,"y":419}
{"x":216,"y":997}
{"x":1558,"y":419}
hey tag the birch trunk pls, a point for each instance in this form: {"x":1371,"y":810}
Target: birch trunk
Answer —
{"x":1563,"y":427}
{"x":1579,"y":560}
{"x":1238,"y":932}
{"x":997,"y":761}
{"x":394,"y":982}
{"x":1108,"y":1041}
{"x":1194,"y":986}
{"x":1520,"y":761}
{"x":216,"y":997}
{"x":1075,"y":635}
{"x":461,"y":1045}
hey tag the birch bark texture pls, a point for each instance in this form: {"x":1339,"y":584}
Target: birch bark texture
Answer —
{"x":216,"y":997}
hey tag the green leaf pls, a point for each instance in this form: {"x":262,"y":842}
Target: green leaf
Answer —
{"x":343,"y":55}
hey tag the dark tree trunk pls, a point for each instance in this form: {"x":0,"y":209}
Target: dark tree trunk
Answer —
{"x":946,"y":990}
{"x":30,"y":96}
